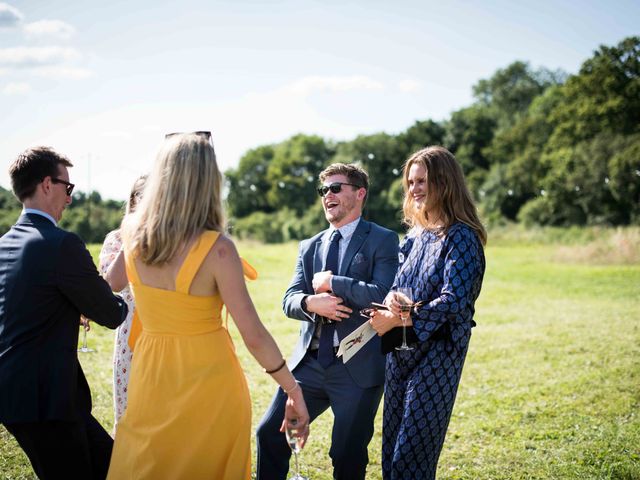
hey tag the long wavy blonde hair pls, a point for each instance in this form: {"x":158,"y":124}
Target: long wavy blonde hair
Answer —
{"x":447,"y":192}
{"x":182,"y":198}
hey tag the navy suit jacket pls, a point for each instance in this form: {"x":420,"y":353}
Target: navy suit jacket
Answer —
{"x":366,"y":274}
{"x":47,"y":279}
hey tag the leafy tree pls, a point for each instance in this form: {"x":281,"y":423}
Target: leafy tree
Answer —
{"x":293,"y":172}
{"x":517,"y":151}
{"x":9,"y":210}
{"x":88,"y":215}
{"x":248,"y":185}
{"x":597,"y":182}
{"x":469,"y":133}
{"x":624,"y":178}
{"x":603,"y":97}
{"x":382,"y":157}
{"x":510,"y":91}
{"x":419,"y":135}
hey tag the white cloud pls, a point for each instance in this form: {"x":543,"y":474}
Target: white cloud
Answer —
{"x":409,"y":85}
{"x":62,"y":73}
{"x":54,"y":28}
{"x":308,"y":85}
{"x":16,"y":88}
{"x":9,"y":16}
{"x":35,"y":56}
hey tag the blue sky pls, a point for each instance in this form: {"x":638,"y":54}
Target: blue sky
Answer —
{"x":103,"y":81}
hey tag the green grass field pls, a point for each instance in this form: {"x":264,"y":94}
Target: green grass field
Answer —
{"x":551,"y":385}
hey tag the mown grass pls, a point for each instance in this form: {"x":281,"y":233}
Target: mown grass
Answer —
{"x":551,"y":385}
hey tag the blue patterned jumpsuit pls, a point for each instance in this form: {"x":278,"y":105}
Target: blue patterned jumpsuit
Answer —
{"x":420,"y":385}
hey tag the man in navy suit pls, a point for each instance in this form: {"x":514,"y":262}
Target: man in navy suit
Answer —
{"x":47,"y":279}
{"x":339,"y":271}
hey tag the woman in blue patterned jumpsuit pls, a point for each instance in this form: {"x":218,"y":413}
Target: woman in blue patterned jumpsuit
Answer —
{"x":442,"y":260}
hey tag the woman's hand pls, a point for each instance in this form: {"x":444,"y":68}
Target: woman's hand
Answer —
{"x":392,"y":302}
{"x":383,"y":320}
{"x":296,"y":415}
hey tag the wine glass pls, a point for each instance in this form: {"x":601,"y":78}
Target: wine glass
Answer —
{"x":85,"y":327}
{"x":294,"y":441}
{"x":404,"y":296}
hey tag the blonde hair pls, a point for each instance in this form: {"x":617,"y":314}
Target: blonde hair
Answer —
{"x":182,"y":198}
{"x":447,"y":192}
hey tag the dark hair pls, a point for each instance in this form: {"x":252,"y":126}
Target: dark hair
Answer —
{"x":31,"y":167}
{"x":136,"y":193}
{"x":356,"y":175}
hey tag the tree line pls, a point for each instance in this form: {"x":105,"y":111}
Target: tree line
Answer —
{"x":537,"y":146}
{"x":89,"y":216}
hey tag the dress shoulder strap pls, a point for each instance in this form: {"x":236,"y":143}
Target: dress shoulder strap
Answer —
{"x":194,"y":260}
{"x":130,"y":267}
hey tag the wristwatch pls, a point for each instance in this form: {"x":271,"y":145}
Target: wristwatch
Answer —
{"x":303,"y":304}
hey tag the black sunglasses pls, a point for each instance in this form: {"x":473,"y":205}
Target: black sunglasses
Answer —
{"x":335,"y":187}
{"x":69,"y":186}
{"x":201,"y":133}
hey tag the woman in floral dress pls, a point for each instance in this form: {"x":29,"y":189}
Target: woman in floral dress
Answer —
{"x":442,"y":261}
{"x":122,"y":354}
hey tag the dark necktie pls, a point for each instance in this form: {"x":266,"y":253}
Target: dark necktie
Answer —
{"x":325,"y":350}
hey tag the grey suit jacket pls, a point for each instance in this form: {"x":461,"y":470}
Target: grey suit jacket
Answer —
{"x":366,"y":274}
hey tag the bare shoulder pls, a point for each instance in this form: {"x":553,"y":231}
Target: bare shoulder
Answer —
{"x":224,"y":250}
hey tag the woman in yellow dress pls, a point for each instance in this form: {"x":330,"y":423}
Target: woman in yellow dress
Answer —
{"x":189,"y":411}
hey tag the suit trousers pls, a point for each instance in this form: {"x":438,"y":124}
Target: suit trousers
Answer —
{"x":354,"y":410}
{"x":69,"y":450}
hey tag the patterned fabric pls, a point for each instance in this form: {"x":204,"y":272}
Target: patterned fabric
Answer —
{"x":121,"y":352}
{"x":421,"y":384}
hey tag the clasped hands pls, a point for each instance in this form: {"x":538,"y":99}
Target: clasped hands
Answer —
{"x":384,"y":320}
{"x":324,"y":302}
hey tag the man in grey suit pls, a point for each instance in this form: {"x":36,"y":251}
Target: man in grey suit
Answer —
{"x":339,"y":271}
{"x":47,"y":279}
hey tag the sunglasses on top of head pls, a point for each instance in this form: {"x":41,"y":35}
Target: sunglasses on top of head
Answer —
{"x":202,"y":133}
{"x":68,"y":186}
{"x":335,"y":187}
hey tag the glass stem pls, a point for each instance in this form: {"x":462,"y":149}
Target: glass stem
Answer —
{"x":404,"y":330}
{"x":297,"y":467}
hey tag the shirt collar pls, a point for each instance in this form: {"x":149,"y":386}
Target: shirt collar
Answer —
{"x":41,"y":213}
{"x":346,"y":230}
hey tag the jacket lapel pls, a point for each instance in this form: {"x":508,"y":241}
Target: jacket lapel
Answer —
{"x":317,"y":255}
{"x":359,"y":236}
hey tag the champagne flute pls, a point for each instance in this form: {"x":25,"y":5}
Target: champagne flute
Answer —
{"x":404,"y":296}
{"x":294,"y":444}
{"x":85,"y":327}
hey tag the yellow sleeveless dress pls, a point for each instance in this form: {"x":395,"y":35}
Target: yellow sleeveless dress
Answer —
{"x":189,"y":412}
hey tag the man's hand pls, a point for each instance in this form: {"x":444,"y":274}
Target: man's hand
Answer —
{"x":329,"y":306}
{"x":322,"y":281}
{"x":84,"y":321}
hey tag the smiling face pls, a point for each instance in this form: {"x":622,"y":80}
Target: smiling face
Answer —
{"x":417,"y":181}
{"x":345,"y":206}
